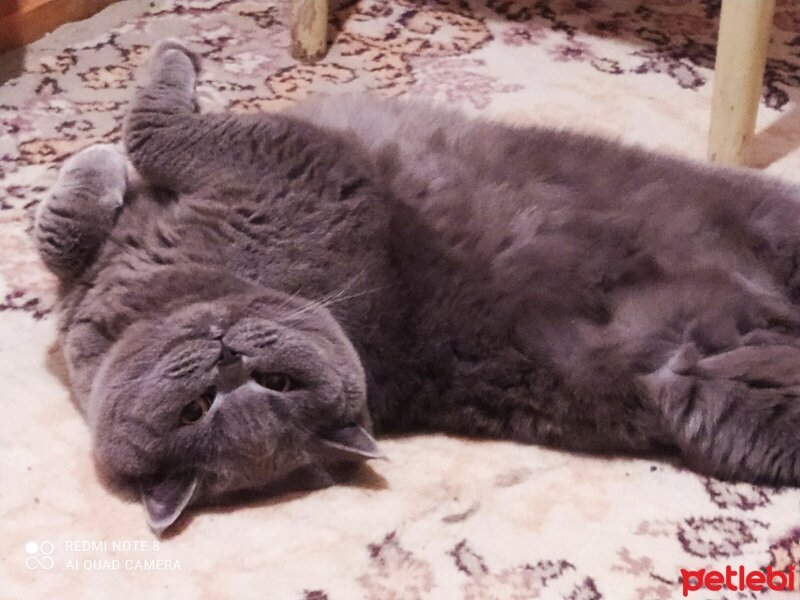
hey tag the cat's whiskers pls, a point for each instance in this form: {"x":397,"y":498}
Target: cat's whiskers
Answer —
{"x":332,"y":298}
{"x":325,"y":303}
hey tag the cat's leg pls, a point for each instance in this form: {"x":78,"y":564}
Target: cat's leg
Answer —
{"x":161,"y":134}
{"x":172,"y":76}
{"x":735,"y":415}
{"x":80,"y":210}
{"x":772,"y":219}
{"x":173,"y":146}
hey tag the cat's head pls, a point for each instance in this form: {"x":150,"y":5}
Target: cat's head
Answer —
{"x":228,"y":396}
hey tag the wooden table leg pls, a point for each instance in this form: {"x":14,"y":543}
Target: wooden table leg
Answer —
{"x":744,"y":29}
{"x":309,"y":29}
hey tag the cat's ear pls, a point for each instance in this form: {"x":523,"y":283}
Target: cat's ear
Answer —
{"x":353,"y":443}
{"x":165,"y":499}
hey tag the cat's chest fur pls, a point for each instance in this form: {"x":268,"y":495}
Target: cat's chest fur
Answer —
{"x":413,"y":284}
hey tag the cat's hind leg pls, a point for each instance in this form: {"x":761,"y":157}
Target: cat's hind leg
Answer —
{"x":735,"y":415}
{"x":80,"y":209}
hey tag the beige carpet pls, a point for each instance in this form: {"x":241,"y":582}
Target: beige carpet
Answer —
{"x":446,"y":518}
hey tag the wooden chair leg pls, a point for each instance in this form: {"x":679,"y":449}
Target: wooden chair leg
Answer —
{"x":309,"y":29}
{"x":744,"y":29}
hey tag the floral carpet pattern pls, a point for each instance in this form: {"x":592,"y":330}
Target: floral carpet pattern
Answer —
{"x":445,"y":518}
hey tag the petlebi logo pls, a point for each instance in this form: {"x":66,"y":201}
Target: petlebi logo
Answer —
{"x":739,"y":580}
{"x":39,"y":555}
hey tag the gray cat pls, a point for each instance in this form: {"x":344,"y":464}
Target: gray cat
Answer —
{"x":280,"y":285}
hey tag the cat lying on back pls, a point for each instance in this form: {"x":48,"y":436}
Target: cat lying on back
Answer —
{"x":284,"y":284}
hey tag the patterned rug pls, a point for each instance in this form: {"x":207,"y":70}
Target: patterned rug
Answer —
{"x":446,"y":518}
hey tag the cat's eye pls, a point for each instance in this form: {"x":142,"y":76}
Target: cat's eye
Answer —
{"x":277,"y":382}
{"x":195,"y":410}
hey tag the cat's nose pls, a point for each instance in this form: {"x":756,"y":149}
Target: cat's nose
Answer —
{"x":228,"y":357}
{"x":231,"y":371}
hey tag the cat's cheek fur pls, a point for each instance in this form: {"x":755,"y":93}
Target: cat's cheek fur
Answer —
{"x":100,"y":423}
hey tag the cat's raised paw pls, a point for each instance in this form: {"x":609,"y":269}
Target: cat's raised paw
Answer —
{"x":81,"y":208}
{"x":94,"y":177}
{"x":172,"y":45}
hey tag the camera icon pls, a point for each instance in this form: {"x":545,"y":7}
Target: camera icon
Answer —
{"x":39,"y":555}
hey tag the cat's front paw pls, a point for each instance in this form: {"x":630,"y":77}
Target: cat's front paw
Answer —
{"x":170,"y":49}
{"x":91,"y":181}
{"x":81,"y":208}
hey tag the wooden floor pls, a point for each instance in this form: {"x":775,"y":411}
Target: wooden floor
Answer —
{"x":25,"y":21}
